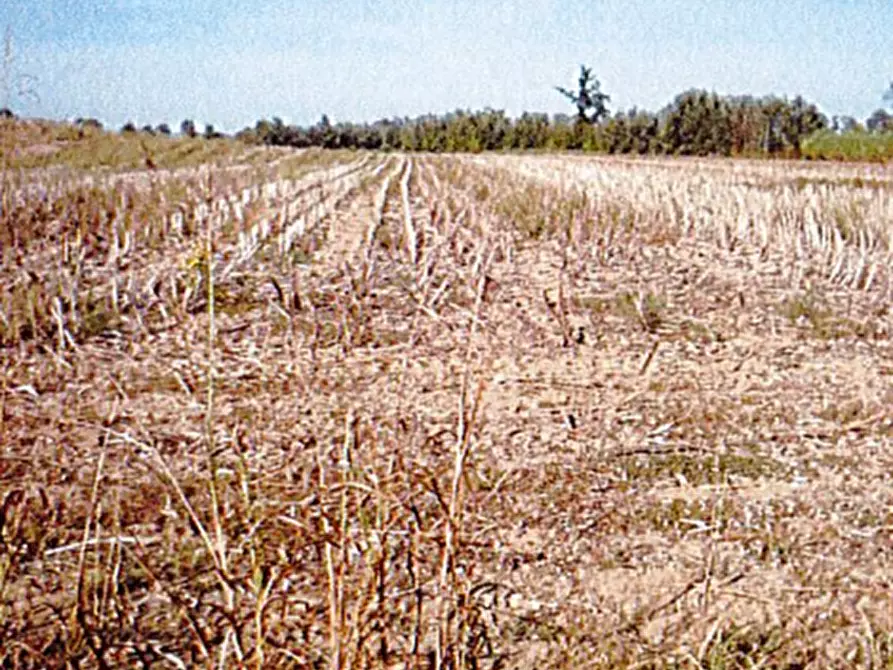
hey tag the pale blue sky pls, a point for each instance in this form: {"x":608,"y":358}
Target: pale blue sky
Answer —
{"x":230,"y":62}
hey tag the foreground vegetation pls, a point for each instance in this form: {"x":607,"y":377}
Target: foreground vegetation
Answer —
{"x":357,"y":409}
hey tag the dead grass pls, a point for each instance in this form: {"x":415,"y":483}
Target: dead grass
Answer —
{"x":34,"y":144}
{"x":349,"y":410}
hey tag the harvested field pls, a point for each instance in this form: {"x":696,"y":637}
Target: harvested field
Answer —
{"x":486,"y":411}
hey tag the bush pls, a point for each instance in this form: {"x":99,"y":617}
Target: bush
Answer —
{"x":856,"y":145}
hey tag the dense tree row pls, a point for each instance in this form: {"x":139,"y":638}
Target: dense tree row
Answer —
{"x":696,"y":123}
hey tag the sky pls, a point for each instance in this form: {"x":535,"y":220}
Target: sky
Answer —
{"x":232,"y":62}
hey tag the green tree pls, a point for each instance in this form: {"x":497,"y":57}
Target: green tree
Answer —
{"x":492,"y":127}
{"x":463,"y":132}
{"x":880,"y":121}
{"x":796,"y":121}
{"x":563,"y":135}
{"x":616,"y":135}
{"x":323,"y":134}
{"x":531,"y":131}
{"x":187,"y":128}
{"x":698,"y":124}
{"x":278,"y":133}
{"x":845,"y":124}
{"x":262,"y":132}
{"x":591,"y":103}
{"x":644,"y":132}
{"x":747,"y":122}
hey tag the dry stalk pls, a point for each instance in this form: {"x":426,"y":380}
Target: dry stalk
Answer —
{"x":412,"y":243}
{"x":220,"y":548}
{"x":79,"y":613}
{"x":467,"y":418}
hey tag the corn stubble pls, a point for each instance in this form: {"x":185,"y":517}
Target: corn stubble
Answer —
{"x":360,"y":410}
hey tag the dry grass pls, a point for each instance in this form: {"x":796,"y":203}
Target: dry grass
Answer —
{"x":356,"y":410}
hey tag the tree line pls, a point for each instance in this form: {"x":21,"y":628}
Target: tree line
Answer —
{"x":695,"y":123}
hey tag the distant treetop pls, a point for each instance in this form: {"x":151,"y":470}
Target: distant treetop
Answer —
{"x":589,"y":99}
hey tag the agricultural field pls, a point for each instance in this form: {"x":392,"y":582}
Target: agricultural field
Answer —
{"x":276,"y":408}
